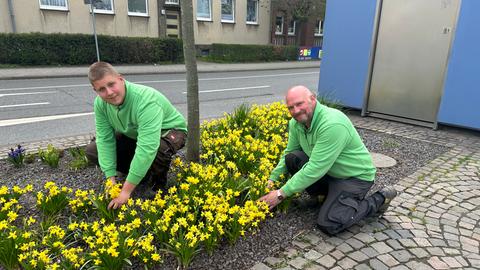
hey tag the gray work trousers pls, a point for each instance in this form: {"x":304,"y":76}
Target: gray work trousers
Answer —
{"x":345,"y":203}
{"x":158,"y":171}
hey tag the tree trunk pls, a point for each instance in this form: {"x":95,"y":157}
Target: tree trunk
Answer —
{"x":193,"y":137}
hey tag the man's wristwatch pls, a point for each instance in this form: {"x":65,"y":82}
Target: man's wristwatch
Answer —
{"x":279,"y":195}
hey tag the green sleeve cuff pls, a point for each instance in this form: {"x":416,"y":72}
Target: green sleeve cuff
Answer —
{"x":274,"y":176}
{"x":288,"y":192}
{"x":134,"y":178}
{"x":110,"y":173}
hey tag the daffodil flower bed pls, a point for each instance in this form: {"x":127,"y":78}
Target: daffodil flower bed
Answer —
{"x":213,"y":200}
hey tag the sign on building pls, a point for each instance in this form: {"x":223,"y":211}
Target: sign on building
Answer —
{"x":309,"y":53}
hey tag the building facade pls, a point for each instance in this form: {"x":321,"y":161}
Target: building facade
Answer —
{"x":215,"y":21}
{"x":297,"y":22}
{"x":116,"y":18}
{"x":232,"y":21}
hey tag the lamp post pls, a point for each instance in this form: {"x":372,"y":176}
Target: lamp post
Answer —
{"x":91,"y":3}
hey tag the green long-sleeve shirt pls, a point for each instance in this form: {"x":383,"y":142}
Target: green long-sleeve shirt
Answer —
{"x":144,"y":116}
{"x":333,"y":147}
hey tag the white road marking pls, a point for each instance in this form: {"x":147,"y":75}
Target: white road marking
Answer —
{"x":165,"y":81}
{"x":239,"y":77}
{"x":232,"y":89}
{"x":11,"y":122}
{"x":31,"y":93}
{"x":25,"y":104}
{"x":43,"y":87}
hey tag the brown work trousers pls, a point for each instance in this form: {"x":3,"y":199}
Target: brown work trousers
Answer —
{"x":156,"y":176}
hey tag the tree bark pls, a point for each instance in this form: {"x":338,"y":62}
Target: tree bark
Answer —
{"x":193,"y":137}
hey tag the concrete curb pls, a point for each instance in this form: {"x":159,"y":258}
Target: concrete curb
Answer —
{"x":202,"y":67}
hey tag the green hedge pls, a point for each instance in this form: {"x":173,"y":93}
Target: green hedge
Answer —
{"x":76,"y":49}
{"x":252,"y":53}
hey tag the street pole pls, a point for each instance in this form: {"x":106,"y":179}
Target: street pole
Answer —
{"x":12,"y":16}
{"x":94,"y":31}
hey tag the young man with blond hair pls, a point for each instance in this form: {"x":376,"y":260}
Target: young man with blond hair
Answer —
{"x":326,"y":156}
{"x":138,"y":131}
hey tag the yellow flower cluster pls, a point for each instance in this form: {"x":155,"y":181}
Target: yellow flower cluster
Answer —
{"x":254,"y":144}
{"x":54,"y":238}
{"x":113,"y":190}
{"x":35,"y":259}
{"x":54,"y":200}
{"x":73,"y":257}
{"x":9,"y":205}
{"x":214,"y":199}
{"x":81,"y":200}
{"x":109,"y":246}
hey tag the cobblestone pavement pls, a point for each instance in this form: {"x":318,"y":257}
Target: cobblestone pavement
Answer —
{"x":61,"y":143}
{"x":432,"y":224}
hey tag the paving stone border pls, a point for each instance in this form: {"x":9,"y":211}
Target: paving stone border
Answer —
{"x":61,"y":143}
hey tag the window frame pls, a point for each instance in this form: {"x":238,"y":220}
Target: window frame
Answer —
{"x":294,"y":28}
{"x":138,"y":14}
{"x":105,"y":11}
{"x":233,"y":12}
{"x":282,"y":25}
{"x":169,"y":2}
{"x":256,"y":13}
{"x":209,"y":18}
{"x":320,"y":28}
{"x":50,"y":7}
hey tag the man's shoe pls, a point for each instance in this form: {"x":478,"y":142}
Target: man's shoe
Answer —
{"x":388,"y":193}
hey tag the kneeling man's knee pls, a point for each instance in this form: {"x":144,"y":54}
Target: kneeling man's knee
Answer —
{"x":91,"y":152}
{"x":295,"y":160}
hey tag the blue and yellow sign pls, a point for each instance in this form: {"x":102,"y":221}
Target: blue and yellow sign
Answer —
{"x":309,"y":53}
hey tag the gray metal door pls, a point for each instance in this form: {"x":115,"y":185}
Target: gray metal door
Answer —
{"x":411,"y":54}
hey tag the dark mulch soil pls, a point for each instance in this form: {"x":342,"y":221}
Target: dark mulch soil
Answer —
{"x":273,"y":233}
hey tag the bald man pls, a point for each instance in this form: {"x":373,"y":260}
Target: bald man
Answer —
{"x":326,"y":156}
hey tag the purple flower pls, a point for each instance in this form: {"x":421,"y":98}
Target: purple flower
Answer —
{"x":16,"y":156}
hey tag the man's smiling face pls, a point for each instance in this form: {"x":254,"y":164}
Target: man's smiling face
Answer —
{"x":111,"y":88}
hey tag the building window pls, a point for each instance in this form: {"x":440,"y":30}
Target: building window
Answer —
{"x":54,"y":4}
{"x":279,"y":25}
{"x":291,"y":28}
{"x":228,"y":10}
{"x":171,"y":2}
{"x":319,"y":28}
{"x":103,"y":6}
{"x":204,"y":10}
{"x":252,"y":11}
{"x":138,"y":7}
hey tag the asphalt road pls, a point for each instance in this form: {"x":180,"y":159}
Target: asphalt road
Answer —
{"x":39,"y":109}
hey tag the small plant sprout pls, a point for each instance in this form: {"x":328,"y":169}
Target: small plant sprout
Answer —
{"x":50,"y":156}
{"x":80,"y":160}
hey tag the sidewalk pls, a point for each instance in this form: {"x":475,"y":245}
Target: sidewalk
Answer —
{"x":56,"y":72}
